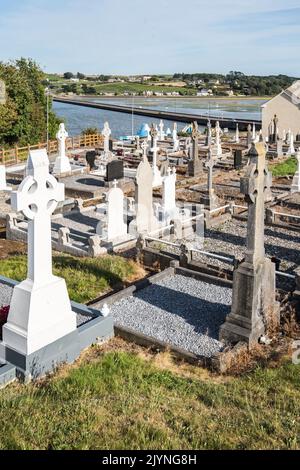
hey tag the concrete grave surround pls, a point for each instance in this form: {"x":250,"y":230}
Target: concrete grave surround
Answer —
{"x":40,"y":309}
{"x":296,"y":180}
{"x":254,"y":308}
{"x":62,"y":163}
{"x":3,"y":185}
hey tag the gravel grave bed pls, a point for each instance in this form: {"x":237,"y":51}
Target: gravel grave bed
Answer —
{"x":6,"y":294}
{"x":178,"y":310}
{"x":229,"y":240}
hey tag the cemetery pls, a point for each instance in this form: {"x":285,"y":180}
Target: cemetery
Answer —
{"x":183,"y":248}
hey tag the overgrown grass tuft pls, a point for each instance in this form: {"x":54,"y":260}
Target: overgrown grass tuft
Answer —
{"x":285,"y":168}
{"x":86,"y":278}
{"x":121,"y":401}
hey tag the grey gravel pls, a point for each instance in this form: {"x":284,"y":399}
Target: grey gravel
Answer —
{"x":5,"y":298}
{"x":178,"y":310}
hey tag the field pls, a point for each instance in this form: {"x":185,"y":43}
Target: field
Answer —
{"x":86,"y":278}
{"x":119,"y":396}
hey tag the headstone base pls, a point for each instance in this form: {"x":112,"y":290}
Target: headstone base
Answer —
{"x":64,"y":350}
{"x":62,"y":165}
{"x":195,"y":168}
{"x":254,"y":309}
{"x":210,"y":200}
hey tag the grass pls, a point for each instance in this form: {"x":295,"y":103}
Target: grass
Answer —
{"x":288,"y":167}
{"x":86,"y":278}
{"x":120,"y":399}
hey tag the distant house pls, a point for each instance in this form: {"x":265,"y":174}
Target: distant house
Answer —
{"x":286,"y":106}
{"x":204,"y":92}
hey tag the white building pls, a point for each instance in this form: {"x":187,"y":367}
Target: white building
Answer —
{"x":286,"y":106}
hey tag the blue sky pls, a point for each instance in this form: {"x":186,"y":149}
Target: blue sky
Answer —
{"x":155,"y":36}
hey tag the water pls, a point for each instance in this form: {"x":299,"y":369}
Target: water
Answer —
{"x":78,"y":118}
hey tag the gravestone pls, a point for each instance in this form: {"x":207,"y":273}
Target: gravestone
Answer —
{"x":208,"y":140}
{"x":249,"y":136}
{"x":156,"y":173}
{"x":237,"y":134}
{"x":254,"y":309}
{"x":161,"y":130}
{"x":106,"y":132}
{"x":169,"y":194}
{"x":211,"y":200}
{"x":176,"y":143}
{"x":195,"y":165}
{"x":238,"y":159}
{"x":40,"y":310}
{"x":114,"y":170}
{"x":116,"y":228}
{"x":145,"y":221}
{"x":296,"y":180}
{"x":2,"y":92}
{"x":291,"y":150}
{"x":217,"y":148}
{"x":62,"y":163}
{"x":91,"y":156}
{"x":298,"y":138}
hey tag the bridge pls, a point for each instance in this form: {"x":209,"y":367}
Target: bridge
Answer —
{"x":230,"y":123}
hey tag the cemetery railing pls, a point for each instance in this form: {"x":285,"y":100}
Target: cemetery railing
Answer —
{"x":19,"y":154}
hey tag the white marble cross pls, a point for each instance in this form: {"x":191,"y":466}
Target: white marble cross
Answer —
{"x":175,"y":138}
{"x":37,"y":198}
{"x":144,"y":147}
{"x":62,"y":164}
{"x":40,"y":309}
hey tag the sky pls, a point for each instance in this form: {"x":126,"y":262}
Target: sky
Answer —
{"x":153,"y":37}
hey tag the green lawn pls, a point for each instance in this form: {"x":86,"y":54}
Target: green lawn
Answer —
{"x":86,"y":278}
{"x":120,"y":400}
{"x":287,"y":167}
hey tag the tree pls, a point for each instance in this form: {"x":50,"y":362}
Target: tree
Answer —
{"x":68,"y":75}
{"x":23,"y":116}
{"x":81,"y":76}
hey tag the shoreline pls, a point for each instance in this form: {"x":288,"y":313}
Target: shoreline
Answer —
{"x":204,"y":98}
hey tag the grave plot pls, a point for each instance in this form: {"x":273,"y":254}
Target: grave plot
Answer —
{"x":177,"y":310}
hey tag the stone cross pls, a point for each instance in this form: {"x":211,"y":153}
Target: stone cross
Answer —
{"x":62,"y":164}
{"x":275,"y":122}
{"x":218,"y":140}
{"x":40,"y":308}
{"x":145,"y":221}
{"x":208,"y":135}
{"x":144,"y":147}
{"x":253,"y":132}
{"x":249,"y":136}
{"x":195,"y":165}
{"x":195,"y":140}
{"x":296,"y":180}
{"x":154,"y":137}
{"x":256,"y":186}
{"x":161,"y":130}
{"x":254,"y":308}
{"x":106,"y":132}
{"x":209,"y":165}
{"x":237,"y":134}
